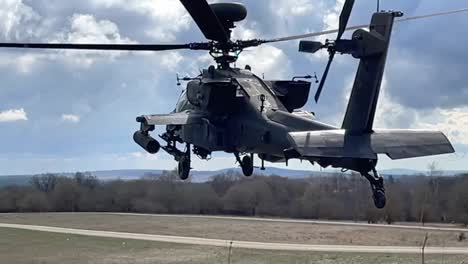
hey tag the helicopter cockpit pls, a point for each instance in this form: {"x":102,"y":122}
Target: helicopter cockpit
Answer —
{"x":183,"y":104}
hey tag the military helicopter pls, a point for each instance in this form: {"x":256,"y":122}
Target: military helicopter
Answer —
{"x":233,"y":110}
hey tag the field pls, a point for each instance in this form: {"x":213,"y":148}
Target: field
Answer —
{"x":21,"y":246}
{"x":235,"y":229}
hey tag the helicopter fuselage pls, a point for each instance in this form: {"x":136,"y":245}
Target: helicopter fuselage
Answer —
{"x":243,"y":113}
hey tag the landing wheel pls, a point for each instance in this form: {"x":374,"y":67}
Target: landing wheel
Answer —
{"x":379,"y":199}
{"x":247,"y":165}
{"x":378,"y":190}
{"x":183,"y":168}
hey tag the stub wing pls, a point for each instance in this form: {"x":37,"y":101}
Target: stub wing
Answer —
{"x":397,"y":144}
{"x":180,"y":118}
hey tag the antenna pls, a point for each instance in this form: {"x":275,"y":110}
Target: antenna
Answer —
{"x":378,"y":5}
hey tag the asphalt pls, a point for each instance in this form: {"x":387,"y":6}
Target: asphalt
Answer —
{"x":242,"y":244}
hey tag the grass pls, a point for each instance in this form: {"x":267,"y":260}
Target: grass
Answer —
{"x":241,"y":230}
{"x":33,"y":247}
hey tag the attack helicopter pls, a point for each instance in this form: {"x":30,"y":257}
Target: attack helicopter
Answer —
{"x":233,"y":110}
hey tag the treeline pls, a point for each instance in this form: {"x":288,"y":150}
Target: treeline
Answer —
{"x":340,"y":197}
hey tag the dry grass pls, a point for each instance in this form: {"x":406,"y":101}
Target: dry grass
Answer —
{"x":240,"y":229}
{"x":22,"y":246}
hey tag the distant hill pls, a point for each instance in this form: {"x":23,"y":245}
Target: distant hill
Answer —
{"x":18,"y":180}
{"x":202,"y":176}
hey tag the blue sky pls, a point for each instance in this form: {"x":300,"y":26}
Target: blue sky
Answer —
{"x":69,"y":111}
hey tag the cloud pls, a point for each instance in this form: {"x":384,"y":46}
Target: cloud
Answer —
{"x":268,"y":60}
{"x":390,"y":113}
{"x":13,"y":115}
{"x":80,"y":28}
{"x":169,"y":17}
{"x":19,"y":20}
{"x":85,"y":28}
{"x":453,"y":122}
{"x":294,"y":7}
{"x":171,"y":60}
{"x":71,"y":118}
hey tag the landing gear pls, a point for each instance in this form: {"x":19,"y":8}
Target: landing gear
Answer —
{"x":183,"y":168}
{"x":377,"y":185}
{"x":246,"y":164}
{"x":183,"y":158}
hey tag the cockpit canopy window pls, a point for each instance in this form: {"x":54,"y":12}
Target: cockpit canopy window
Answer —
{"x":183,"y":103}
{"x":254,"y":88}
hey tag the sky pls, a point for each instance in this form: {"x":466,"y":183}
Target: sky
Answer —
{"x":63,"y":111}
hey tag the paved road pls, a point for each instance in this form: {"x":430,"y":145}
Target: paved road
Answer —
{"x":318,"y":222}
{"x":241,"y":244}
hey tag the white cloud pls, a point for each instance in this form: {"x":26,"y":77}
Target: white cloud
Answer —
{"x":71,"y":118}
{"x":268,"y":60}
{"x":453,"y":122}
{"x":84,"y":28}
{"x":169,"y":16}
{"x":245,"y":32}
{"x":170,"y":60}
{"x":13,"y":115}
{"x":23,"y":63}
{"x":330,"y":20}
{"x":389,"y":113}
{"x":293,"y":7}
{"x":18,"y":20}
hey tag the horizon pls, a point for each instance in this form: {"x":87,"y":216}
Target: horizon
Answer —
{"x":390,"y":171}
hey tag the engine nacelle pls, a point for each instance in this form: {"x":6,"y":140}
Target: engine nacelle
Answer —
{"x":147,"y":142}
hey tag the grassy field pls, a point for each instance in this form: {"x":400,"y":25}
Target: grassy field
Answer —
{"x":240,"y":230}
{"x":22,"y":246}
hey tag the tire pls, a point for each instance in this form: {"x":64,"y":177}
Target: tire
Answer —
{"x":183,"y":168}
{"x":247,"y":166}
{"x":379,"y":199}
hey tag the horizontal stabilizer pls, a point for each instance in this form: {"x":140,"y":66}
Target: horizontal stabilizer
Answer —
{"x":181,"y":118}
{"x":397,"y":144}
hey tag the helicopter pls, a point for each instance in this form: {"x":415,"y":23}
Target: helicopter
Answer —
{"x":233,"y":110}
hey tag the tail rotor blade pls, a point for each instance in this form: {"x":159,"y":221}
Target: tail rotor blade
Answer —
{"x":344,"y":17}
{"x":324,"y":77}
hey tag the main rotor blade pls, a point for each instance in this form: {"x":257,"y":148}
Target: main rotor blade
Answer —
{"x":119,"y":47}
{"x":432,"y":15}
{"x":206,"y":19}
{"x":344,"y":17}
{"x":331,"y":31}
{"x":324,"y":77}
